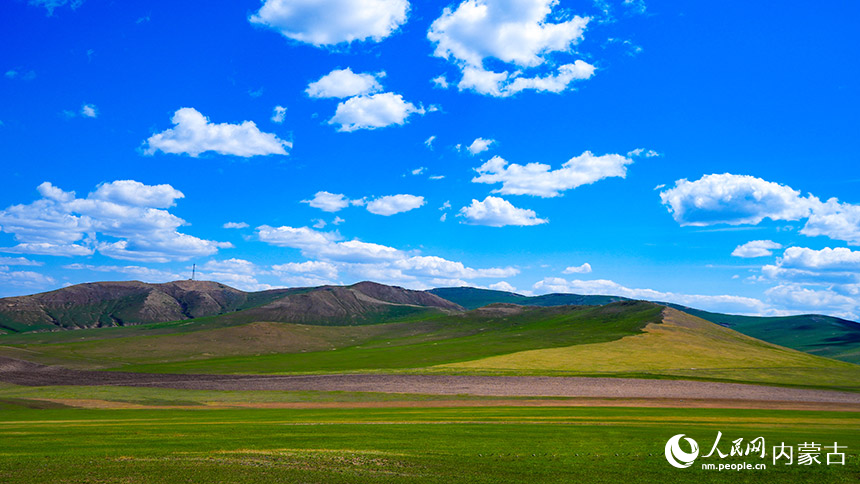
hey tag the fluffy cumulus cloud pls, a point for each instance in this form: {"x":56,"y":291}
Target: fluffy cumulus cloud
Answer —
{"x":124,"y":219}
{"x":392,"y":204}
{"x":330,"y":22}
{"x":756,"y":248}
{"x":385,"y":205}
{"x":746,"y":200}
{"x":826,"y":267}
{"x":804,"y":299}
{"x":815,"y":281}
{"x":329,"y":257}
{"x":372,"y":112}
{"x":541,"y":180}
{"x":734,"y":200}
{"x":581,"y":269}
{"x":279,"y":113}
{"x":722,"y":303}
{"x":516,"y":34}
{"x":328,"y":202}
{"x":480,"y":145}
{"x":194,"y":134}
{"x":498,"y":212}
{"x":838,"y":221}
{"x":342,"y":83}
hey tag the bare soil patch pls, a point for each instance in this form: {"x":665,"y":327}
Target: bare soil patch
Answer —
{"x":679,"y":393}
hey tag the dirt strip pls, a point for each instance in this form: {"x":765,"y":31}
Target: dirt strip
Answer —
{"x":25,"y":373}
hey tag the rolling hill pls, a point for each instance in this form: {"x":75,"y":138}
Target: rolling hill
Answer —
{"x":108,"y":304}
{"x":811,"y":333}
{"x":369,"y":327}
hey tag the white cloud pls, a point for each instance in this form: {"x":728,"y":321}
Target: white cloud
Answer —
{"x":279,"y":113}
{"x":26,"y":279}
{"x":50,"y":5}
{"x":498,"y":212}
{"x":436,"y":177}
{"x":756,"y":248}
{"x":480,"y":145}
{"x":503,"y":286}
{"x":723,"y":303}
{"x":89,"y":111}
{"x":193,"y":134}
{"x":337,"y":221}
{"x":298,"y":238}
{"x":367,"y":260}
{"x":145,"y":274}
{"x":238,"y":273}
{"x":47,"y":248}
{"x":238,"y":266}
{"x":356,"y":251}
{"x":431,"y":266}
{"x":839,"y":258}
{"x":541,"y":180}
{"x":733,"y":200}
{"x":516,"y":33}
{"x":62,"y":224}
{"x":329,"y":22}
{"x":374,"y":111}
{"x":429,"y":141}
{"x":392,"y":204}
{"x":828,"y":266}
{"x":582,"y":269}
{"x":328,"y":202}
{"x":839,"y":221}
{"x":803,"y":299}
{"x":319,"y":223}
{"x":320,"y":269}
{"x":18,"y":261}
{"x":440,"y":82}
{"x":419,"y":170}
{"x":746,"y":200}
{"x":643,"y":152}
{"x":344,"y":83}
{"x":135,"y":193}
{"x":235,"y":225}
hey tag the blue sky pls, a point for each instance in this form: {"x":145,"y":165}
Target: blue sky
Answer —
{"x":684,"y":151}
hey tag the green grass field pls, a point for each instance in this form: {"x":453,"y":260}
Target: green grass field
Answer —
{"x":446,"y":445}
{"x":627,"y":339}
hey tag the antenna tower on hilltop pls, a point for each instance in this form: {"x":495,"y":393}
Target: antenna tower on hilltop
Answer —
{"x":193,"y":271}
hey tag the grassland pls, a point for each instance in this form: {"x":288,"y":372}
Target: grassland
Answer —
{"x":475,"y":445}
{"x":625,"y":339}
{"x":680,"y":346}
{"x":285,"y":347}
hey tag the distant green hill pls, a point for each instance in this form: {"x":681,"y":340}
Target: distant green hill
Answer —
{"x":473,"y":298}
{"x":811,"y":333}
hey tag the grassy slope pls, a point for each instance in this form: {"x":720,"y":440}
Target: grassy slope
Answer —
{"x":812,"y":333}
{"x":547,"y":445}
{"x":682,"y":346}
{"x":281,"y":347}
